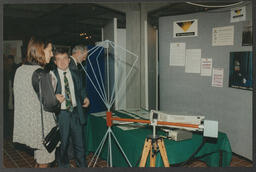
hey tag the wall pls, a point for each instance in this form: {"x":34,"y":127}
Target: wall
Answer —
{"x":147,"y":79}
{"x":13,"y":47}
{"x":133,"y":44}
{"x":120,"y":67}
{"x":151,"y":67}
{"x":187,"y":93}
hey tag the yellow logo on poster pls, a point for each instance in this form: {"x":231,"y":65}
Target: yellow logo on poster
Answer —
{"x":238,"y":11}
{"x":185,"y":25}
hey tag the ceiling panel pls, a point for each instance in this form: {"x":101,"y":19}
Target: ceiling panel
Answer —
{"x":63,"y":22}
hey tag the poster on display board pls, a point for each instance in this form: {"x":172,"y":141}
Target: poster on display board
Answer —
{"x":206,"y":67}
{"x":193,"y":61}
{"x":240,"y":70}
{"x":13,"y":47}
{"x":238,"y":14}
{"x":217,"y":77}
{"x":177,"y":54}
{"x":222,"y":36}
{"x":185,"y":28}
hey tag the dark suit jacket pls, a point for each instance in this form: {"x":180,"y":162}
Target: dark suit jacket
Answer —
{"x":79,"y":92}
{"x":73,"y":66}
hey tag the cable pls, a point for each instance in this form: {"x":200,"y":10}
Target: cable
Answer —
{"x":185,"y":162}
{"x":215,"y":6}
{"x":224,"y":11}
{"x":192,"y":156}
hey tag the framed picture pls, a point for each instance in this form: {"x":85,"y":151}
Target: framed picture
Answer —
{"x":240,"y":70}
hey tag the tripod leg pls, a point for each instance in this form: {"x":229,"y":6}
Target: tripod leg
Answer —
{"x":120,"y":148}
{"x":153,"y":155}
{"x":97,"y":152}
{"x":110,"y":149}
{"x":145,"y":151}
{"x":101,"y":148}
{"x":162,"y":149}
{"x":108,"y":157}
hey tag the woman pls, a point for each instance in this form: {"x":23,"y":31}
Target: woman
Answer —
{"x":27,"y":116}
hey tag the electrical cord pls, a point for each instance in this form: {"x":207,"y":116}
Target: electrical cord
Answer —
{"x":192,"y":156}
{"x":214,"y":6}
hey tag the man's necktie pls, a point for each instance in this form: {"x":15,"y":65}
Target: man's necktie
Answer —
{"x":69,"y":105}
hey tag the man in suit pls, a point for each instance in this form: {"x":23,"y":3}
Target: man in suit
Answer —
{"x":79,"y":54}
{"x":71,"y":117}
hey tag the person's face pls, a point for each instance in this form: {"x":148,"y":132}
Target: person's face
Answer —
{"x":62,"y":61}
{"x":82,"y":55}
{"x":237,"y":68}
{"x":48,"y":53}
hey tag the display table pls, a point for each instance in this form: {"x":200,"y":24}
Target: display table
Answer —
{"x":132,"y":142}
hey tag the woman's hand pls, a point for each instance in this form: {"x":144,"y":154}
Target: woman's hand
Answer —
{"x":60,"y":97}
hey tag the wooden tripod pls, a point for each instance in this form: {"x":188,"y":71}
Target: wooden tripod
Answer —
{"x":154,"y":145}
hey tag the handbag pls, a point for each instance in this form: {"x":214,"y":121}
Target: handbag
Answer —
{"x":53,"y":137}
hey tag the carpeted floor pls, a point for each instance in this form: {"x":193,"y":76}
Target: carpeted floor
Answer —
{"x":14,"y":158}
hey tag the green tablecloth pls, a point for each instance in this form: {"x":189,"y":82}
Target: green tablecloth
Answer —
{"x":132,"y":142}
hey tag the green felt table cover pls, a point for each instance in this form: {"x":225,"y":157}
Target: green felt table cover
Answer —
{"x":132,"y":142}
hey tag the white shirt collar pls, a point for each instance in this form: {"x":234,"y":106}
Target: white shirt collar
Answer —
{"x":61,"y":71}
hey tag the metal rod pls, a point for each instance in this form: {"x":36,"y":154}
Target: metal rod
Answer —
{"x":102,"y":83}
{"x":108,"y":71}
{"x":154,"y":131}
{"x":108,"y":158}
{"x":110,"y":149}
{"x":96,"y":78}
{"x":158,"y":122}
{"x":121,"y":149}
{"x":99,"y":149}
{"x":96,"y":152}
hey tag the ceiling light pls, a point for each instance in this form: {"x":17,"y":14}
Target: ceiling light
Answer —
{"x":82,"y":34}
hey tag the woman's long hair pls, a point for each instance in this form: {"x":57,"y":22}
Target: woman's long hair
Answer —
{"x":35,"y":51}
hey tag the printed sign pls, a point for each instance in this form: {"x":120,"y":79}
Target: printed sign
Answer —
{"x":223,"y":36}
{"x":186,"y":28}
{"x":238,"y":14}
{"x":217,"y":77}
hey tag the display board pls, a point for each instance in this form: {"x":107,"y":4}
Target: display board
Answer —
{"x":192,"y":93}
